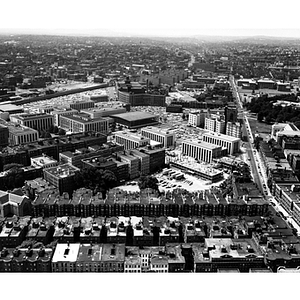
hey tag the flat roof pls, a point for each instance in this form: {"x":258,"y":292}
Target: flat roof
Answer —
{"x":89,"y":253}
{"x":134,"y":116}
{"x":221,"y":136}
{"x":62,"y":170}
{"x":43,"y":160}
{"x":202,"y":144}
{"x":66,"y":253}
{"x":113,"y":252}
{"x":10,"y":107}
{"x":83,"y":118}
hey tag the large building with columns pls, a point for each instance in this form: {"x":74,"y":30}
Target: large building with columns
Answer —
{"x":231,"y":143}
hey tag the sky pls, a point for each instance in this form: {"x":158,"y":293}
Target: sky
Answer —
{"x":152,"y":18}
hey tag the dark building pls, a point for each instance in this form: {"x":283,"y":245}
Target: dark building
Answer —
{"x":3,"y":136}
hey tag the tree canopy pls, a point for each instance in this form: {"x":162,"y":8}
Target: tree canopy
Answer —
{"x":95,"y":179}
{"x":148,"y":182}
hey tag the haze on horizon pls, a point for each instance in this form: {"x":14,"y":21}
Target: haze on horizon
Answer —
{"x":155,"y":18}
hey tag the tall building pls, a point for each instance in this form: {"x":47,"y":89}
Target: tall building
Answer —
{"x":163,"y":136}
{"x":197,"y":119}
{"x":231,"y":143}
{"x":201,"y":150}
{"x":82,"y":123}
{"x":40,"y":121}
{"x":234,"y":129}
{"x":215,"y":123}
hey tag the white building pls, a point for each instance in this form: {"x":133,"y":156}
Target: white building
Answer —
{"x":62,"y":112}
{"x":164,"y":136}
{"x":131,"y":140}
{"x":201,"y":150}
{"x":65,"y":257}
{"x":215,"y":123}
{"x":83,"y":123}
{"x":18,"y":134}
{"x":40,"y":121}
{"x":43,"y":161}
{"x":234,"y":129}
{"x":159,"y":264}
{"x":196,"y":119}
{"x":231,"y":143}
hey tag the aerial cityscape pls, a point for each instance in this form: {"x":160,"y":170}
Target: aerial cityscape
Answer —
{"x":149,"y":155}
{"x":153,"y":138}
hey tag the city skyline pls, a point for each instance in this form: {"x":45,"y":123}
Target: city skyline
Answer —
{"x":167,"y":18}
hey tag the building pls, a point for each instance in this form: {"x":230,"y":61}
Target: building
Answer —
{"x":156,"y":158}
{"x":176,"y":261}
{"x":133,"y":164}
{"x":163,"y":136}
{"x":62,"y":112}
{"x":202,"y":172}
{"x":288,"y":195}
{"x":79,"y":105}
{"x":234,"y":129}
{"x":197,"y":119}
{"x":113,"y":257}
{"x":281,"y":130}
{"x":26,"y":260}
{"x":14,"y":203}
{"x":43,"y":161}
{"x":227,"y":254}
{"x":89,"y":258}
{"x":39,"y":121}
{"x":133,"y":264}
{"x":144,"y":161}
{"x":134,"y":94}
{"x":82,"y":123}
{"x":65,"y":257}
{"x":11,"y":109}
{"x":62,"y":177}
{"x":201,"y":151}
{"x":18,"y":135}
{"x":131,"y":140}
{"x":13,"y":231}
{"x":266,"y":84}
{"x":135,"y":119}
{"x":215,"y":123}
{"x":96,"y":113}
{"x":3,"y":135}
{"x":159,"y":264}
{"x":231,"y":143}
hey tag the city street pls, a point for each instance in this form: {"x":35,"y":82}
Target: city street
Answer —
{"x":256,"y":164}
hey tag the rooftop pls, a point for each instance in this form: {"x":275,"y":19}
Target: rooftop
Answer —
{"x":66,"y":253}
{"x":222,"y":136}
{"x":62,"y":171}
{"x":134,"y":116}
